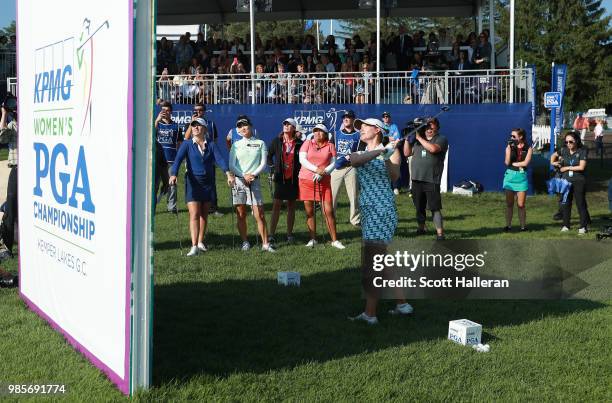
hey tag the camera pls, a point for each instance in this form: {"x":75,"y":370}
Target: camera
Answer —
{"x":512,"y":142}
{"x":417,"y":125}
{"x":10,"y":103}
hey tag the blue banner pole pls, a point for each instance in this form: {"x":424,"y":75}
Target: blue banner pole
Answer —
{"x":553,"y":117}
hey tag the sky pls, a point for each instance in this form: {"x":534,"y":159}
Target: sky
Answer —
{"x":7,"y":12}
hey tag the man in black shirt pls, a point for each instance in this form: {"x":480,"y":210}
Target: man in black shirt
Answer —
{"x":428,"y":151}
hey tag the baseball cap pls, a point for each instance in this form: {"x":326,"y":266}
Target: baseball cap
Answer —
{"x":386,"y":114}
{"x":199,"y":122}
{"x":349,"y":114}
{"x":434,"y":120}
{"x":371,"y":122}
{"x":291,"y":121}
{"x":321,"y":127}
{"x":243,"y":119}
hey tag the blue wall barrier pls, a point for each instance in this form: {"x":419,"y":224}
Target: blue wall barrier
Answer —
{"x":477,"y":134}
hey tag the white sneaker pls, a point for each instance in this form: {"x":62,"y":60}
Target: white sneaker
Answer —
{"x":338,"y":245}
{"x":582,"y":231}
{"x":202,"y":247}
{"x":268,"y":248}
{"x":396,"y":192}
{"x":564,"y":229}
{"x":246,"y":246}
{"x":193,"y":251}
{"x":217,"y":214}
{"x":402,"y":309}
{"x":370,"y":320}
{"x":311,"y":243}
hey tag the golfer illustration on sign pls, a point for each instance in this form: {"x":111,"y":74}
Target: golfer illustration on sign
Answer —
{"x":85,"y":63}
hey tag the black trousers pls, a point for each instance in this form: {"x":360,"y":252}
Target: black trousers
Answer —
{"x":7,"y":228}
{"x":578,"y":192}
{"x":425,"y":196}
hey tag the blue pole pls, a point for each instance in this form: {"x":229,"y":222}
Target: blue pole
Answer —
{"x":553,"y":117}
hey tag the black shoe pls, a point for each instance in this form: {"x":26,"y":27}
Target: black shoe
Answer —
{"x":524,"y":229}
{"x":558,"y":217}
{"x":420,"y":231}
{"x":507,"y":229}
{"x":440,"y":237}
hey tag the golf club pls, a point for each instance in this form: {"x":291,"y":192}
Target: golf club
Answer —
{"x":323,"y":210}
{"x":178,"y":232}
{"x":233,"y":213}
{"x":253,"y":214}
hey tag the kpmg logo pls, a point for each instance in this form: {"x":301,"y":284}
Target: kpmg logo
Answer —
{"x":53,"y":72}
{"x":309,"y":118}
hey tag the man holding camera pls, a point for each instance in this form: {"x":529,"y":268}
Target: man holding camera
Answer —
{"x":428,"y":151}
{"x":168,"y":138}
{"x":8,"y":135}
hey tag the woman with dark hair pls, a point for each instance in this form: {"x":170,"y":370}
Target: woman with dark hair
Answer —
{"x":377,"y":168}
{"x":517,"y":159}
{"x":318,"y":157}
{"x":571,"y":162}
{"x":283,"y":158}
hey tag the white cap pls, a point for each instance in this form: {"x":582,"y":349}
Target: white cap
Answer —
{"x":321,"y":127}
{"x":371,"y":122}
{"x":199,"y":121}
{"x":291,"y":121}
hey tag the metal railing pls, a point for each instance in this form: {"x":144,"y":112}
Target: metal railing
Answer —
{"x":8,"y":64}
{"x":426,"y":87}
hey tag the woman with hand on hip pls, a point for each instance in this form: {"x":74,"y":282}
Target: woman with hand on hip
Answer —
{"x":517,"y":159}
{"x":317,"y":158}
{"x":201,"y":156}
{"x":377,"y":168}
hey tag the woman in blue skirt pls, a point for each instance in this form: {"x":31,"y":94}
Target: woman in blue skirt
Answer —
{"x":517,"y":159}
{"x":377,"y":168}
{"x":201,"y":156}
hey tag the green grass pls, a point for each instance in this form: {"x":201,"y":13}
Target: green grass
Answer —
{"x":224,"y":330}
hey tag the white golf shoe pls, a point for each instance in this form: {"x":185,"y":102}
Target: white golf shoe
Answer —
{"x":370,"y":320}
{"x":338,"y":245}
{"x":193,"y":251}
{"x":202,"y":247}
{"x":402,"y":309}
{"x":311,"y":243}
{"x":246,"y":246}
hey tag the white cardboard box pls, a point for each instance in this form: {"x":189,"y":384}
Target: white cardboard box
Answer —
{"x":288,"y":278}
{"x":464,"y":331}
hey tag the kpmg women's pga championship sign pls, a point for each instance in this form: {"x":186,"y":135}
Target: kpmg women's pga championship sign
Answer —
{"x":75,"y":63}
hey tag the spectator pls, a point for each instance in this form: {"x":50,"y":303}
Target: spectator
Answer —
{"x":334,"y":59}
{"x":169,"y":138}
{"x":571,"y":162}
{"x":598,"y":132}
{"x":9,"y":135}
{"x":517,"y":159}
{"x":581,"y":124}
{"x":482,"y":54}
{"x":329,"y":67}
{"x":183,"y":51}
{"x":195,"y":67}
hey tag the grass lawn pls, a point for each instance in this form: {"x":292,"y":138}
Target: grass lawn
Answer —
{"x":224,"y":330}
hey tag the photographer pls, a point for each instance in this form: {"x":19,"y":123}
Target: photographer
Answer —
{"x":517,"y":159}
{"x":428,"y":150}
{"x":8,"y":135}
{"x":168,"y":137}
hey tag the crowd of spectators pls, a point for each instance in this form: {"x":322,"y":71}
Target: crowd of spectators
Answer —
{"x":183,"y":66}
{"x":8,"y":59}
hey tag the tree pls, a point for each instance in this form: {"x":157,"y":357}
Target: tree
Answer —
{"x":10,"y":30}
{"x":572,"y":32}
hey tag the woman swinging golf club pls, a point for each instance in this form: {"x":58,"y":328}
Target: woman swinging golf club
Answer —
{"x":199,"y":180}
{"x":317,"y":157}
{"x":377,"y":168}
{"x":246,"y":161}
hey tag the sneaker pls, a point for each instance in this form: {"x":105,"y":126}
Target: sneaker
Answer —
{"x":217,"y":213}
{"x":290,"y":239}
{"x":193,"y":251}
{"x":271,"y":239}
{"x":564,"y":229}
{"x":396,"y":192}
{"x":268,"y":248}
{"x":370,"y":320}
{"x":311,"y":243}
{"x":440,"y":237}
{"x":402,"y":309}
{"x":246,"y":246}
{"x":507,"y":229}
{"x":582,"y":231}
{"x":202,"y":247}
{"x":338,"y":245}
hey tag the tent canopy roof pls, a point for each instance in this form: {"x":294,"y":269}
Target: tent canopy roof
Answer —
{"x":171,"y":12}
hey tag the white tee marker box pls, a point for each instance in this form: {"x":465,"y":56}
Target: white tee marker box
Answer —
{"x":464,"y":332}
{"x":287,"y":278}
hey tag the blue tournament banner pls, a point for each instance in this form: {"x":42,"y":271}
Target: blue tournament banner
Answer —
{"x":558,"y":85}
{"x":477,"y":134}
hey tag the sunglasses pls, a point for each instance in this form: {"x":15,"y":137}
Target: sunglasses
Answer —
{"x":569,"y":142}
{"x":239,"y":125}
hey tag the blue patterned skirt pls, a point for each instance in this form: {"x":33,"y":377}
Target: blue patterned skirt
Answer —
{"x":378,"y":223}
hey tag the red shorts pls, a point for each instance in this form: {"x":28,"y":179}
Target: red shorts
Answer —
{"x":310,"y":192}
